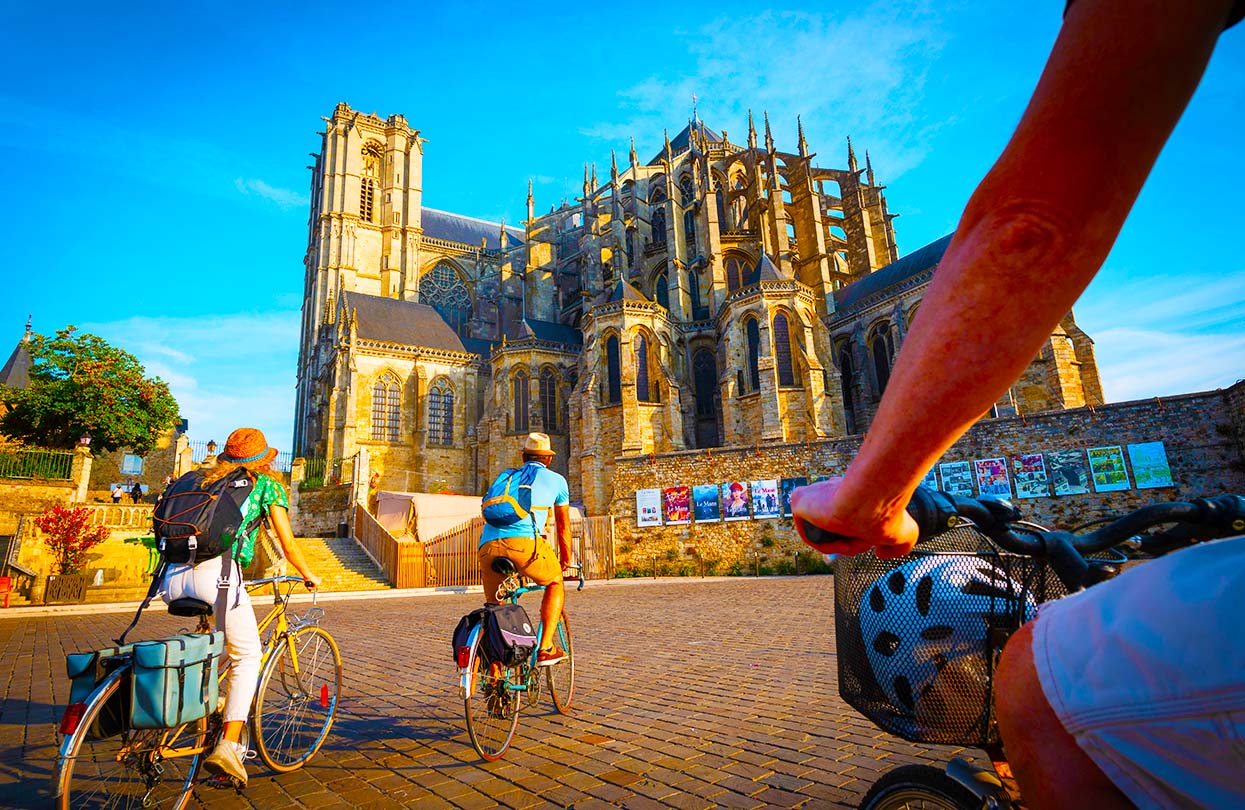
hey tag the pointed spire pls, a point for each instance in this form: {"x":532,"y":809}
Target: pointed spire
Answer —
{"x":503,"y":239}
{"x":752,"y":132}
{"x":594,"y":174}
{"x":769,"y":139}
{"x":531,"y":202}
{"x":869,"y":168}
{"x":635,"y":160}
{"x":851,"y":156}
{"x":669,"y":153}
{"x":613,"y":168}
{"x":587,"y":185}
{"x":30,"y":320}
{"x":799,"y":125}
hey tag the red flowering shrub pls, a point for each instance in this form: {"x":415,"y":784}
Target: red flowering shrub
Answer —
{"x":70,"y":536}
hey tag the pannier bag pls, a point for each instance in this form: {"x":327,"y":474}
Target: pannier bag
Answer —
{"x":463,"y":632}
{"x":175,"y":679}
{"x":509,"y":635}
{"x":85,"y":671}
{"x":509,"y":499}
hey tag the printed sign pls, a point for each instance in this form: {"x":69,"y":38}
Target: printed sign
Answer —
{"x":785,"y":487}
{"x":705,"y":503}
{"x":1150,"y":468}
{"x":992,"y":477}
{"x":648,"y":507}
{"x":765,"y":499}
{"x":1067,"y":470}
{"x":957,"y":478}
{"x":735,"y":501}
{"x":678,"y":505}
{"x":1029,"y":473}
{"x":1106,"y":465}
{"x":131,"y":464}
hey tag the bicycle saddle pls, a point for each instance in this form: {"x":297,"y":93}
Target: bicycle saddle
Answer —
{"x":188,"y":606}
{"x":504,"y":566}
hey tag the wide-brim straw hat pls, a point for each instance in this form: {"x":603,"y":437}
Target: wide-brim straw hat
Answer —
{"x":538,"y":444}
{"x":247,"y":446}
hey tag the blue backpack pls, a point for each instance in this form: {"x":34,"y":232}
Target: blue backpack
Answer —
{"x":509,"y":499}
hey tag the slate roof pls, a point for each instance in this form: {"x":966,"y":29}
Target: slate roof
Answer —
{"x":681,"y":141}
{"x":553,"y":332}
{"x":766,"y":270}
{"x":896,"y":272}
{"x":625,"y":292}
{"x":467,"y":230}
{"x":16,"y":372}
{"x":403,"y":322}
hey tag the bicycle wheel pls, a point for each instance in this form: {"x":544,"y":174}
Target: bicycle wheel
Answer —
{"x":561,"y":676}
{"x":297,"y":699}
{"x":918,"y":787}
{"x":131,"y":769}
{"x":491,"y":705}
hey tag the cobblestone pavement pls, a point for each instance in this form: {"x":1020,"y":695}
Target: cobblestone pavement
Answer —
{"x":689,"y":694}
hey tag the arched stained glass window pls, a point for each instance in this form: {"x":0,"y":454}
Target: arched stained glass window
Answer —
{"x":882,"y":353}
{"x":699,"y":310}
{"x":847,"y":379}
{"x":443,"y":290}
{"x":688,"y":189}
{"x":521,"y":393}
{"x":753,"y":329}
{"x":613,"y":373}
{"x":441,"y":413}
{"x":642,"y":388}
{"x":661,"y":289}
{"x":367,"y":181}
{"x":659,"y":224}
{"x":549,"y":399}
{"x":736,"y":268}
{"x":782,"y":350}
{"x":386,"y":409}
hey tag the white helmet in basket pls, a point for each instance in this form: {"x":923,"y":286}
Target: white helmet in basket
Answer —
{"x":925,"y":626}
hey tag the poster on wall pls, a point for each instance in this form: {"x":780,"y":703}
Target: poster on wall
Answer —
{"x":1066,"y":469}
{"x":1150,"y":467}
{"x":705,"y":503}
{"x":930,"y":481}
{"x":1106,"y":465}
{"x":785,"y":487}
{"x":648,"y":507}
{"x":1029,"y":473}
{"x":765,"y":499}
{"x":735,"y":501}
{"x":678,"y":505}
{"x":992,"y":477}
{"x":957,"y":478}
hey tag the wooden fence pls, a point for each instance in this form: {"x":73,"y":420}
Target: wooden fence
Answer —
{"x":401,"y":560}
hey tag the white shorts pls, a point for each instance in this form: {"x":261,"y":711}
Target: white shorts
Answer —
{"x":1147,"y":672}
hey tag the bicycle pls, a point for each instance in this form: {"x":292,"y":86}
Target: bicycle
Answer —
{"x":492,"y":693}
{"x":1009,"y":565}
{"x":291,"y":715}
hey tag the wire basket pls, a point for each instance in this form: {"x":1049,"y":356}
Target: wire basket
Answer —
{"x":918,"y":638}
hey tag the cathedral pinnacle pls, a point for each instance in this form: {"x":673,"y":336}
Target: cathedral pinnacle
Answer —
{"x":769,"y":139}
{"x":799,"y":125}
{"x":531,"y":202}
{"x":669,"y":153}
{"x":851,"y":156}
{"x":635,"y":160}
{"x":869,"y":168}
{"x":752,"y":132}
{"x":613,"y":168}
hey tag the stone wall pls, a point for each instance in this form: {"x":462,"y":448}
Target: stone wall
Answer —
{"x":318,"y":511}
{"x":1204,"y":436}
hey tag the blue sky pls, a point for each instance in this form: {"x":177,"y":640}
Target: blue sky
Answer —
{"x":156,"y":189}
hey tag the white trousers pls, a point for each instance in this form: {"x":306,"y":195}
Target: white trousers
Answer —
{"x":241,"y":630}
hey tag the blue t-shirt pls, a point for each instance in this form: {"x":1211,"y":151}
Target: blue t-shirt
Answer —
{"x":549,"y":489}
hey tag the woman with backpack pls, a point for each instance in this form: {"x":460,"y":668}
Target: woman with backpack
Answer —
{"x":246,"y":452}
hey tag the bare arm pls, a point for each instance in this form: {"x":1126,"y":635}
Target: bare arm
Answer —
{"x":562,"y":517}
{"x":280,"y":518}
{"x":1031,"y":238}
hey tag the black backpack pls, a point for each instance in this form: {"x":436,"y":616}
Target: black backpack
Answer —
{"x":509,"y":635}
{"x":194,"y":523}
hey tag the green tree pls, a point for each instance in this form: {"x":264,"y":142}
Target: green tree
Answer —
{"x":70,"y":536}
{"x":81,"y":384}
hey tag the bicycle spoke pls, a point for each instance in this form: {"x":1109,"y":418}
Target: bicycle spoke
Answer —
{"x":492,"y":708}
{"x":561,"y":676}
{"x":297,"y":699}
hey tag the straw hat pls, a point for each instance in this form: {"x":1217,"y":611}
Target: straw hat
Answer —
{"x":538,"y":444}
{"x":247,"y":446}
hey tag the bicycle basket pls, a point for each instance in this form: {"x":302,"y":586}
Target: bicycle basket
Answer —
{"x":918,"y":637}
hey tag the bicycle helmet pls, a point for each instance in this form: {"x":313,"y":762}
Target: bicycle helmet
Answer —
{"x":925,"y":628}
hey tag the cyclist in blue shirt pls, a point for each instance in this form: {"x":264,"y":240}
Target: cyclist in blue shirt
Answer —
{"x":531,"y":554}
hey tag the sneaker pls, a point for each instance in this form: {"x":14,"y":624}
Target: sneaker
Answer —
{"x":549,"y":657}
{"x":226,"y":760}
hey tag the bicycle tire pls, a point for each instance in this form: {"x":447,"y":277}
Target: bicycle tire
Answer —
{"x":295,"y":706}
{"x":126,"y":770}
{"x":561,"y":676}
{"x":918,"y":787}
{"x":491,"y":706}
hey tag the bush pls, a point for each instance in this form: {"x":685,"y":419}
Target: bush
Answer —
{"x":70,"y":536}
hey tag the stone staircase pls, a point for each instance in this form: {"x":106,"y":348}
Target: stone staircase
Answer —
{"x":342,"y":564}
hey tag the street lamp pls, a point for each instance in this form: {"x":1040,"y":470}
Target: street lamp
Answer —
{"x":211,"y":447}
{"x":84,"y":440}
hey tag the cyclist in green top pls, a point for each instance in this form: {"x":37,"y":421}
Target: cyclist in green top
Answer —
{"x":246,"y":448}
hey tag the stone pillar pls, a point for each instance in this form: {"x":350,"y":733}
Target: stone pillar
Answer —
{"x":182,"y":456}
{"x":80,"y":472}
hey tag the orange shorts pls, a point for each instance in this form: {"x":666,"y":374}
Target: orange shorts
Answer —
{"x":535,"y":559}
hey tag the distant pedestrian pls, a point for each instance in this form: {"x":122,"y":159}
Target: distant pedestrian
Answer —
{"x":136,"y":492}
{"x":117,"y":493}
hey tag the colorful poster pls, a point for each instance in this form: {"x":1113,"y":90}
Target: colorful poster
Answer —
{"x":1067,"y":471}
{"x":735,"y":500}
{"x":1150,"y":467}
{"x":785,"y":487}
{"x":1029,"y":473}
{"x":1106,"y":465}
{"x":992,"y":477}
{"x":705,"y":503}
{"x":648,"y":507}
{"x":765,"y":499}
{"x":678,"y":505}
{"x":930,"y":481}
{"x":957,"y":478}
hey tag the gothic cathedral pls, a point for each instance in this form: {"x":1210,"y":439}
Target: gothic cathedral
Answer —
{"x":715,"y":294}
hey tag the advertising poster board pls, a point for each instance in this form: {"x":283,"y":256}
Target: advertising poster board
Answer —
{"x":785,"y":487}
{"x":1150,"y":467}
{"x":705,"y":504}
{"x":735,"y":501}
{"x":765,"y":499}
{"x":992,"y":477}
{"x":648,"y":507}
{"x":1068,"y":472}
{"x":678,"y":505}
{"x":1106,"y":466}
{"x":957,"y":478}
{"x":931,"y":479}
{"x":1029,"y":473}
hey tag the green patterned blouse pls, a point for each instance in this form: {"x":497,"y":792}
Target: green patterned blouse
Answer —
{"x":266,"y":494}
